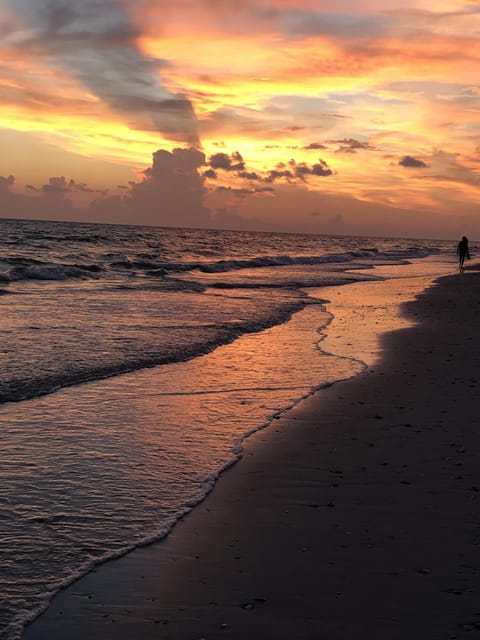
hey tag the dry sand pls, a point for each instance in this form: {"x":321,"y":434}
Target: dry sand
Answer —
{"x":355,"y":515}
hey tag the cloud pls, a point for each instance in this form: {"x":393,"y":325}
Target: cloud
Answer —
{"x":249,"y":175}
{"x":320,"y":168}
{"x":228,"y":121}
{"x":350,"y":145}
{"x":264,"y":190}
{"x":210,"y":173}
{"x":96,"y":43}
{"x":301,"y":22}
{"x":56,"y":185}
{"x":291,"y":172}
{"x":233,"y":162}
{"x":243,"y":192}
{"x":275,"y":174}
{"x":314,"y":145}
{"x":62,"y":185}
{"x":47,"y":203}
{"x":6,"y":183}
{"x":171,"y":193}
{"x":299,"y":171}
{"x":449,"y":168}
{"x":410,"y":161}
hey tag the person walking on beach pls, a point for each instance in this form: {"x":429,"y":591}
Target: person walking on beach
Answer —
{"x":462,"y":252}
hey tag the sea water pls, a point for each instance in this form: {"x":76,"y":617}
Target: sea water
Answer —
{"x":133,"y":363}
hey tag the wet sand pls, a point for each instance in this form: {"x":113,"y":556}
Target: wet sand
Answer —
{"x":355,"y":515}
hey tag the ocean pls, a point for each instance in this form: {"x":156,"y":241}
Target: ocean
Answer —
{"x":135,"y":361}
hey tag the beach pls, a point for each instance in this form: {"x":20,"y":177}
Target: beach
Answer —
{"x":355,"y":514}
{"x":136,"y":361}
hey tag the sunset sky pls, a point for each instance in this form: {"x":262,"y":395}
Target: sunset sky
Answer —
{"x":355,"y":116}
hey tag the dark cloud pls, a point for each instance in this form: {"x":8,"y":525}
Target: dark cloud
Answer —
{"x":410,"y":161}
{"x":290,"y":171}
{"x":241,"y":193}
{"x":244,"y":192}
{"x":314,"y":145}
{"x":96,"y":42}
{"x":220,"y":161}
{"x":294,"y":171}
{"x":321,"y":169}
{"x":275,"y":174}
{"x":233,"y":162}
{"x":249,"y":175}
{"x":302,"y":169}
{"x":210,"y":173}
{"x":350,"y":145}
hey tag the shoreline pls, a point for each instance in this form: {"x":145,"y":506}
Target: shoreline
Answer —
{"x":280,"y":548}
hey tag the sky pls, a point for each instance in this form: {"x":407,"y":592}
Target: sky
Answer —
{"x":353,"y":117}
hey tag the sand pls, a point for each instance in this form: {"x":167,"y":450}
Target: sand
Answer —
{"x":355,"y":515}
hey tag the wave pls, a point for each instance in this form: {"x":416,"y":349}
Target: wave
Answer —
{"x":131,"y":263}
{"x":372,"y":254}
{"x":295,"y":282}
{"x":163,"y":284}
{"x":148,"y":265}
{"x":44,"y":271}
{"x":18,"y":389}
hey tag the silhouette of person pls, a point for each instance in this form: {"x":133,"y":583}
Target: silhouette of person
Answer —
{"x":462,"y":252}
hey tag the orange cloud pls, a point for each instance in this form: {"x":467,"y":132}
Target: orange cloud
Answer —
{"x":351,"y":90}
